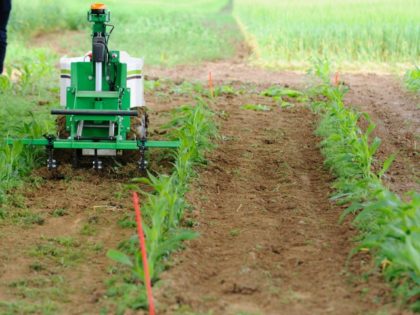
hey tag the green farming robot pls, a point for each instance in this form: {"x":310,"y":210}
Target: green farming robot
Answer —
{"x":102,"y":100}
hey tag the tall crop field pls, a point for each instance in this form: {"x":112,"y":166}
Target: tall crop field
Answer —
{"x":350,"y":32}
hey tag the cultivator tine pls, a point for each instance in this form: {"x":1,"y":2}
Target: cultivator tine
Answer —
{"x":97,"y":164}
{"x":51,"y":162}
{"x":142,"y":162}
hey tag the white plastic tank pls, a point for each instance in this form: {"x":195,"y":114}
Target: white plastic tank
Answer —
{"x":65,"y":76}
{"x":135,"y":77}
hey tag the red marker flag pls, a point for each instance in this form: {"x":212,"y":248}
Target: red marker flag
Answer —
{"x":148,"y":282}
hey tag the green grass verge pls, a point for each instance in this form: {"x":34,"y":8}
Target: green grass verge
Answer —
{"x":353,"y":33}
{"x":163,"y":209}
{"x":389,"y":226}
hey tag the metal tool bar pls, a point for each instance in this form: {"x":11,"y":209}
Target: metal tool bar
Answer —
{"x":83,"y":144}
{"x":94,"y":112}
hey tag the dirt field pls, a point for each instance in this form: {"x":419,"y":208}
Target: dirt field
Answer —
{"x":270,"y":242}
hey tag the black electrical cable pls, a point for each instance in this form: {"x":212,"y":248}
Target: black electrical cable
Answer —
{"x":110,"y":32}
{"x":112,"y":83}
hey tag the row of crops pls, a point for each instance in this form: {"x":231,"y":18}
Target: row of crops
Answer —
{"x":163,"y":209}
{"x":24,"y":112}
{"x":389,"y":225}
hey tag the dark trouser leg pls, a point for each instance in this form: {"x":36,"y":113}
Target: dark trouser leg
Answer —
{"x":5,"y":7}
{"x":3,"y":44}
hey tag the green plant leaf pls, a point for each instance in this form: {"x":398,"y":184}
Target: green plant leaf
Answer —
{"x":387,"y":164}
{"x":119,"y":257}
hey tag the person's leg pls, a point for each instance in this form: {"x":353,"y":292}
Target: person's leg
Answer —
{"x":5,"y":8}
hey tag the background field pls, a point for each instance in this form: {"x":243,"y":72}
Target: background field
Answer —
{"x":166,"y":34}
{"x":355,"y":34}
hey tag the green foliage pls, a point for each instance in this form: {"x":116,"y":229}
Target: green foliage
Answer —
{"x":21,"y":116}
{"x":256,"y":107}
{"x":290,"y":33}
{"x":189,"y":88}
{"x":412,"y":80}
{"x":275,"y":91}
{"x":278,"y":93}
{"x":163,"y":209}
{"x":225,"y":90}
{"x":19,"y":307}
{"x":63,"y":251}
{"x":389,"y":226}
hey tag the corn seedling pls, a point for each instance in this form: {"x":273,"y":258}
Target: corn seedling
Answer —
{"x":277,"y":91}
{"x":412,"y":80}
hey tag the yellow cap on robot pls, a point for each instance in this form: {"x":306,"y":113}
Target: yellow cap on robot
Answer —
{"x":98,"y":6}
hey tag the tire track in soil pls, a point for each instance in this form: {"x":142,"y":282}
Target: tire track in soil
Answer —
{"x":270,"y":242}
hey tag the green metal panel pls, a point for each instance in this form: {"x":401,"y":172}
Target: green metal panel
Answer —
{"x":119,"y":145}
{"x":93,"y":94}
{"x":82,"y":95}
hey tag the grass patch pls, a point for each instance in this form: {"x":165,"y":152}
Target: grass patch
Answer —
{"x":62,"y":251}
{"x":19,"y":307}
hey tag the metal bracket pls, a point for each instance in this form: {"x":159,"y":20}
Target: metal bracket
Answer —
{"x":97,"y":164}
{"x":51,"y":163}
{"x":79,"y":131}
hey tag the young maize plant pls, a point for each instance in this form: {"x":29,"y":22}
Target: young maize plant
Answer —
{"x":164,"y":208}
{"x":412,"y":80}
{"x":17,"y":160}
{"x":389,"y":226}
